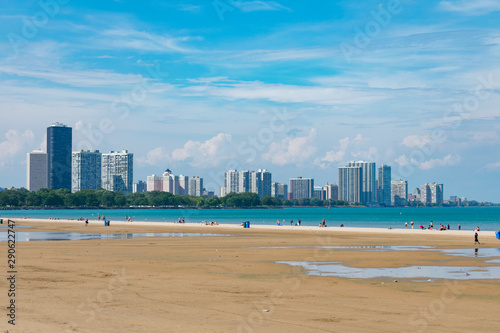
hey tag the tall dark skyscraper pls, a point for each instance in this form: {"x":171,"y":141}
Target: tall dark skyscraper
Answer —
{"x":59,"y":143}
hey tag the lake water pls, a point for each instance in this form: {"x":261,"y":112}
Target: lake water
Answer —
{"x":488,"y":218}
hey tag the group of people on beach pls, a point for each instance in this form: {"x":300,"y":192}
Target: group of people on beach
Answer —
{"x":211,"y":223}
{"x":431,"y":226}
{"x":298,"y":223}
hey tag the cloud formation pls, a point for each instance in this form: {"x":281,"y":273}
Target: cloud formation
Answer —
{"x":471,"y":7}
{"x":292,"y":150}
{"x":205,"y":154}
{"x":253,"y":6}
{"x":334,"y":156}
{"x":15,"y":143}
{"x":448,"y":160}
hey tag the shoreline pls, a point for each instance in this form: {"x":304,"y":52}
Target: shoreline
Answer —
{"x":258,"y":227}
{"x":242,"y":283}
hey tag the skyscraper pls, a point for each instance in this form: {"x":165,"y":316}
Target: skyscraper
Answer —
{"x":195,"y":186}
{"x":301,"y":188}
{"x":139,"y":187}
{"x":118,"y":171}
{"x":36,"y":171}
{"x":154,"y":183}
{"x":86,"y":174}
{"x":384,"y":185}
{"x":399,"y":192}
{"x":436,"y":193}
{"x":183,"y":185}
{"x":431,"y":193}
{"x":260,"y":182}
{"x":367,"y":181}
{"x":279,"y":190}
{"x":59,"y":143}
{"x":350,"y":183}
{"x":231,"y":180}
{"x":243,"y":181}
{"x":331,"y":191}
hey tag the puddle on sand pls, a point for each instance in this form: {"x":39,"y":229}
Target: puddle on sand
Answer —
{"x":412,"y":272}
{"x":493,"y":261}
{"x":65,"y":236}
{"x":477,"y":252}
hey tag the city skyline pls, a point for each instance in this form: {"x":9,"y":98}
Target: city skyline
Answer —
{"x":358,"y":181}
{"x":203,"y":90}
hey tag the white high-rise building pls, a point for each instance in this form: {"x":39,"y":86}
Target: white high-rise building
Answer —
{"x":399,"y":192}
{"x":36,"y":171}
{"x":260,"y":182}
{"x":350,"y":184}
{"x":86,"y":170}
{"x":118,"y":171}
{"x":368,"y":181}
{"x":154,"y":183}
{"x":183,"y":185}
{"x":231,"y":182}
{"x":195,"y":186}
{"x":331,"y":191}
{"x":243,"y":181}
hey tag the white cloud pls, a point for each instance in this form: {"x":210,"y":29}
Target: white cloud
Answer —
{"x":283,"y":93}
{"x":205,"y":154}
{"x":159,"y":156}
{"x":368,"y":155}
{"x":251,"y":6}
{"x":416,"y":141}
{"x":492,"y":166}
{"x":88,"y":78}
{"x":470,"y":7}
{"x":142,"y":41}
{"x":14,"y":144}
{"x":448,"y":160}
{"x":333,"y":156}
{"x":292,"y":150}
{"x":403,"y":160}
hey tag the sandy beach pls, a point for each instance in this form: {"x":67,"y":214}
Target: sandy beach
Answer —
{"x":233,"y":284}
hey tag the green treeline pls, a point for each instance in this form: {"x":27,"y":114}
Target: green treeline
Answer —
{"x":44,"y":197}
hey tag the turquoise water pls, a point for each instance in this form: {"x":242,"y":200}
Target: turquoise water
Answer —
{"x":488,"y":218}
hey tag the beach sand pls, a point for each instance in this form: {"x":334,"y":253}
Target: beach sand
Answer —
{"x":233,"y":284}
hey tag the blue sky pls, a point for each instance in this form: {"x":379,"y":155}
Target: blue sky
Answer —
{"x":201,"y":87}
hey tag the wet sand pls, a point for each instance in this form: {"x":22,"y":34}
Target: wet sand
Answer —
{"x":232,"y":284}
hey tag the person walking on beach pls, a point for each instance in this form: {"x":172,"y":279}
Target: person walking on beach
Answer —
{"x":291,"y":223}
{"x":406,"y":225}
{"x":300,"y":222}
{"x":86,"y":222}
{"x":412,"y":224}
{"x":459,"y":227}
{"x":324,"y":223}
{"x":476,"y":240}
